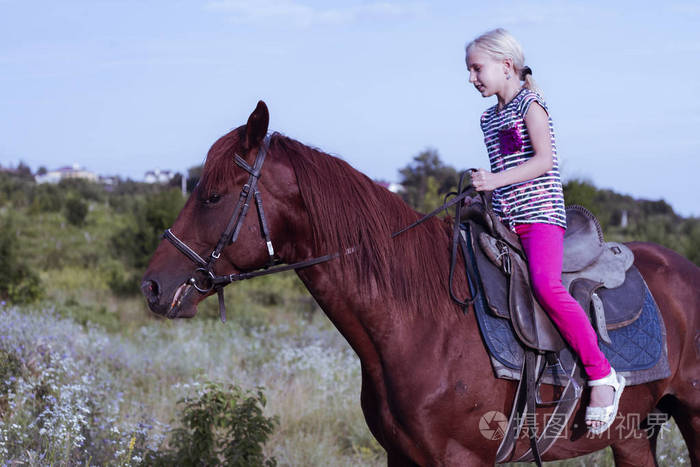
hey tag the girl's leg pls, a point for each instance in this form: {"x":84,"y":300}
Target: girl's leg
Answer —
{"x":543,"y":245}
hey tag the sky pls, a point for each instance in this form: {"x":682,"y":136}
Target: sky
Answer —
{"x":123,"y":87}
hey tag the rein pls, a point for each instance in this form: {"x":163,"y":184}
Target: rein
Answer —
{"x":461,"y":193}
{"x":204,"y":280}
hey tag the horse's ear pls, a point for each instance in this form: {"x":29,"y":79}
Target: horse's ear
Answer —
{"x":256,"y":128}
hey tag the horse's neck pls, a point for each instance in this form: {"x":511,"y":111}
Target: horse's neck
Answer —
{"x":394,"y":284}
{"x":371,"y":321}
{"x":345,"y":306}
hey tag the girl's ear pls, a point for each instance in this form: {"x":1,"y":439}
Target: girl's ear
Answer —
{"x":508,"y":65}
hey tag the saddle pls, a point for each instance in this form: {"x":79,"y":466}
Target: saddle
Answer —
{"x":599,"y":275}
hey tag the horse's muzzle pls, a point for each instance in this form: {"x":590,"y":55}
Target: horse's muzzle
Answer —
{"x":151,"y":290}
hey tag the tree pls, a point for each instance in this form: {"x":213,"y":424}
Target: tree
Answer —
{"x":176,"y":181}
{"x":426,"y":180}
{"x":23,"y":171}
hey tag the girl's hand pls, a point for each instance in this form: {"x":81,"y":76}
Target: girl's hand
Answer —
{"x":484,"y":180}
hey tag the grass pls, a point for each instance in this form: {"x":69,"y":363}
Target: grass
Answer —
{"x":99,"y":391}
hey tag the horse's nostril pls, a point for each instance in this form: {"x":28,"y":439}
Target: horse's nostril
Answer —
{"x":150,"y":289}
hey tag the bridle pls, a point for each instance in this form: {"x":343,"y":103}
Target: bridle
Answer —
{"x":203,"y":278}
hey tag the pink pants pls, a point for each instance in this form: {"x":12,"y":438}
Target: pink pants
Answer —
{"x":544,"y":247}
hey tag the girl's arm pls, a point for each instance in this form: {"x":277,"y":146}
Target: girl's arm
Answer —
{"x":537,"y":124}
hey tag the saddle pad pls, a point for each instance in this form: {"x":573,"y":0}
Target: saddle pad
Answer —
{"x":638,"y":351}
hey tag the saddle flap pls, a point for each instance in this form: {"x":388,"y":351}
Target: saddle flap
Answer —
{"x":623,"y":304}
{"x":506,"y":284}
{"x":493,"y":279}
{"x":522,"y":306}
{"x":530,"y":321}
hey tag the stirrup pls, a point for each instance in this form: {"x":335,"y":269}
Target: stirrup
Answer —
{"x":608,"y":413}
{"x":555,"y":362}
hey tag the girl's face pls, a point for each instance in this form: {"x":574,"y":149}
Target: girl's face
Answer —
{"x":487,"y":74}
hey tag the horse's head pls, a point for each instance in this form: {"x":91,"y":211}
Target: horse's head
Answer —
{"x":222,"y":230}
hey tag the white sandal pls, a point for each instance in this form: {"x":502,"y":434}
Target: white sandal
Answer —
{"x":608,"y":413}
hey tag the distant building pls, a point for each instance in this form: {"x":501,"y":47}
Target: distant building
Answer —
{"x":158,"y":176}
{"x":395,"y":187}
{"x":624,"y":221}
{"x":391,"y":186}
{"x":65,"y":173}
{"x":109,"y":181}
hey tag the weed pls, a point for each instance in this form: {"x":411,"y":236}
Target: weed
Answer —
{"x":220,"y":427}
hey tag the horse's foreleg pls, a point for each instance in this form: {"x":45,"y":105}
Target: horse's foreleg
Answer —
{"x":396,"y":459}
{"x":684,"y":403}
{"x":384,"y":428}
{"x":654,"y":431}
{"x":688,"y":421}
{"x":634,"y":451}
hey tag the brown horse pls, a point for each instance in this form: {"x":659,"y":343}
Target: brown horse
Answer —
{"x":427,"y":382}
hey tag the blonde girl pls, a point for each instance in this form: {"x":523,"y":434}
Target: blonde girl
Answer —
{"x":528,"y":197}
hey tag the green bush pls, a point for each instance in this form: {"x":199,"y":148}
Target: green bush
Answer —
{"x":83,"y":189}
{"x":692,"y":250}
{"x":47,"y":198}
{"x":222,"y":427}
{"x":121,"y":281}
{"x":19,"y":283}
{"x":76,"y":210}
{"x":137,"y":240}
{"x":15,"y":190}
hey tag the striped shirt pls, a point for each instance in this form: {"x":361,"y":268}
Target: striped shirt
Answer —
{"x":540,"y":200}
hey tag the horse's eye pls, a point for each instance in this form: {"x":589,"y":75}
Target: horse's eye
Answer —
{"x":213,"y":199}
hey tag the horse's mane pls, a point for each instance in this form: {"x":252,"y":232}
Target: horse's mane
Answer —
{"x":348,"y":210}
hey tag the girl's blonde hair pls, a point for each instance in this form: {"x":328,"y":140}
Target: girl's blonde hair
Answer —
{"x":500,"y":44}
